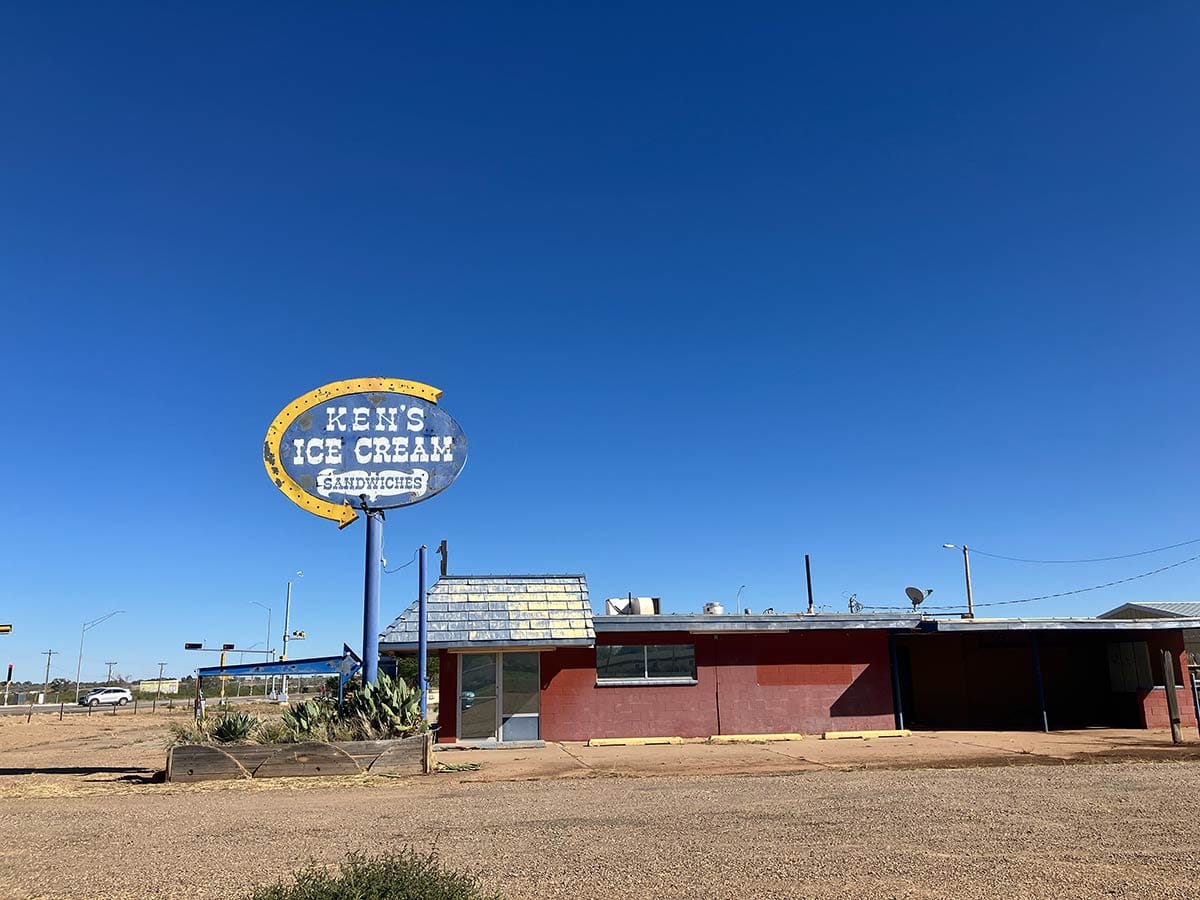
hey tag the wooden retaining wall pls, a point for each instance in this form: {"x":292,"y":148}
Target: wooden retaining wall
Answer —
{"x":209,"y":762}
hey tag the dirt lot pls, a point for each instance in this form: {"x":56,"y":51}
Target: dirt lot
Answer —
{"x":959,"y":815}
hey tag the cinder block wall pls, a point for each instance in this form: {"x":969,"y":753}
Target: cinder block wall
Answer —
{"x":805,"y":682}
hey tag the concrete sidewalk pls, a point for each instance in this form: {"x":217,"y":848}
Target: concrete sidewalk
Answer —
{"x":926,"y":749}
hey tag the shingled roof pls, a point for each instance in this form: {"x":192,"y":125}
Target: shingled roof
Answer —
{"x":468,"y":611}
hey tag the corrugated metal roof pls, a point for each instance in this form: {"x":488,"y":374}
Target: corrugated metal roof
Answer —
{"x":1153,"y":610}
{"x":467,"y":611}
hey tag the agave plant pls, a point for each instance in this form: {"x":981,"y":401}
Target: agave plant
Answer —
{"x":234,"y":726}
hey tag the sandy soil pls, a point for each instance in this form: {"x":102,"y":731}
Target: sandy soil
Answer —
{"x":946,"y":816}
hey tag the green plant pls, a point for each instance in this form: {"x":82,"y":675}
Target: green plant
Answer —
{"x":233,"y":726}
{"x":272,"y":731}
{"x":191,"y":732}
{"x":309,"y":720}
{"x":394,"y":876}
{"x":388,"y":708}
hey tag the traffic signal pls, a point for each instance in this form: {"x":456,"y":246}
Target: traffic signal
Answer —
{"x":192,"y":646}
{"x":9,"y":678}
{"x":227,"y":646}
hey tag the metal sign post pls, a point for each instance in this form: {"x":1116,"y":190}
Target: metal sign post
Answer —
{"x":422,"y":636}
{"x":374,"y":568}
{"x":364,"y":445}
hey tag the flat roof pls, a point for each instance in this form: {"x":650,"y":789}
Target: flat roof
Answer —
{"x":702,"y":623}
{"x":1056,"y":624}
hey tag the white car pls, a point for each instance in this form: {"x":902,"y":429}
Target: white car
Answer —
{"x":109,"y":695}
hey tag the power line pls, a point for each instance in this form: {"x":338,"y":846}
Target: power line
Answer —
{"x":1092,"y":560}
{"x":1095,"y":587}
{"x":404,"y":566}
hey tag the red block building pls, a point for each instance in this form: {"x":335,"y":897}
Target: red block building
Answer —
{"x":523,"y":658}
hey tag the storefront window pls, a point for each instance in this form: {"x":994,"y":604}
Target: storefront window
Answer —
{"x":652,"y":663}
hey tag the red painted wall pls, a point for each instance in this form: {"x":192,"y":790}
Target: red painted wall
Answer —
{"x":1154,"y":703}
{"x":804,"y":682}
{"x":447,"y":697}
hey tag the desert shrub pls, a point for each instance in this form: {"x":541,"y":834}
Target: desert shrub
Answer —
{"x":271,"y":731}
{"x":403,"y":875}
{"x":233,"y":726}
{"x":388,"y":708}
{"x":191,"y":732}
{"x":310,"y":720}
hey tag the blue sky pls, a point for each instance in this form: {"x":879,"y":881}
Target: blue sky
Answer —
{"x":706,"y":289}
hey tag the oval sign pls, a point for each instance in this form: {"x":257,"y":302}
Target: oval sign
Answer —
{"x":366,"y":443}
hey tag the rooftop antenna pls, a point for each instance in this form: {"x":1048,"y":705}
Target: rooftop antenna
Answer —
{"x":917,"y":595}
{"x":855,"y":606}
{"x":737,"y":603}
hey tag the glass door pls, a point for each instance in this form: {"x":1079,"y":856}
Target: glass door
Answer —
{"x":499,"y":697}
{"x":477,"y":697}
{"x":520,"y":696}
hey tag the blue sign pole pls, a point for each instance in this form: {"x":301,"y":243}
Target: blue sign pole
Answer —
{"x":371,"y":595}
{"x":422,"y":637}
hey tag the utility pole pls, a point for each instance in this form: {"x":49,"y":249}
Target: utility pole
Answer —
{"x":158,"y":693}
{"x":108,"y":677}
{"x":967,"y":571}
{"x":49,"y":654}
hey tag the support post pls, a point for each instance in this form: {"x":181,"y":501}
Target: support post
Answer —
{"x":374,"y":565}
{"x":422,"y":637}
{"x":899,"y":698}
{"x":1041,"y":688}
{"x":808,"y":578}
{"x":1172,"y":700}
{"x":971,"y":599}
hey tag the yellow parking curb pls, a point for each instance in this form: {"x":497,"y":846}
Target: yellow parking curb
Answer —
{"x":752,"y":738}
{"x":633,"y":742}
{"x":847,"y":735}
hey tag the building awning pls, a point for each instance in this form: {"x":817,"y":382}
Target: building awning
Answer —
{"x":467,"y":612}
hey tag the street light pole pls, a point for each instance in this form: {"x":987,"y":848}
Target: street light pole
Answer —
{"x":108,"y":677}
{"x":86,"y":626}
{"x":967,"y":572}
{"x":287,"y":625}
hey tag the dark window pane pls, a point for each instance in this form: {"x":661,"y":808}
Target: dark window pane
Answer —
{"x":620,"y":662}
{"x":671,"y":661}
{"x":521,"y":685}
{"x":479,"y":674}
{"x":478,"y":719}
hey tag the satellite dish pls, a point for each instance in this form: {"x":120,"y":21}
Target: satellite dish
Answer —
{"x":916,"y":595}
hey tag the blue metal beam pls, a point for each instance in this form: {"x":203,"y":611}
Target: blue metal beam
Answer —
{"x":346,"y":664}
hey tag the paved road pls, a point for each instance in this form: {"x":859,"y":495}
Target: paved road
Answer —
{"x":70,"y":707}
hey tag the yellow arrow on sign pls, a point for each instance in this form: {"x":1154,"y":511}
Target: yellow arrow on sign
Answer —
{"x":342,"y":513}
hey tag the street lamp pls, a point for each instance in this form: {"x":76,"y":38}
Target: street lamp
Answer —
{"x":287,"y":626}
{"x":86,"y":626}
{"x":967,"y":570}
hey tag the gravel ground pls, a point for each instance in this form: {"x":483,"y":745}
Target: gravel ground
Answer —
{"x":1091,"y":830}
